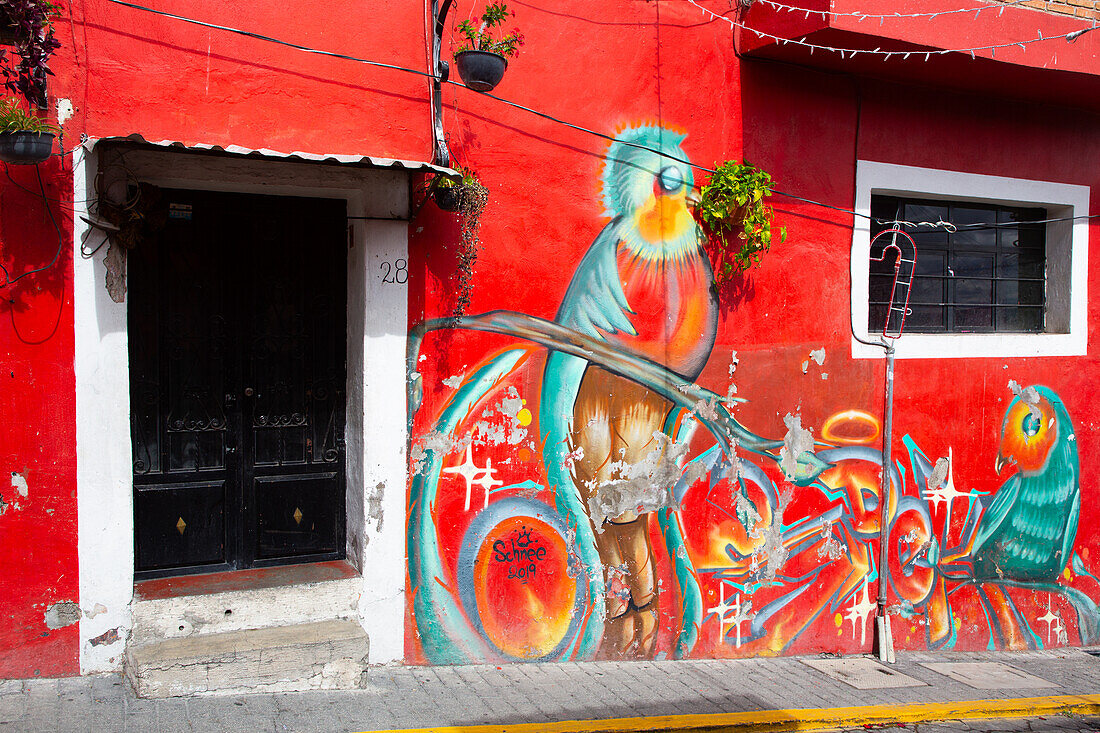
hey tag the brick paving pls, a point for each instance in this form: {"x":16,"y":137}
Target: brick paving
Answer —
{"x":419,"y":697}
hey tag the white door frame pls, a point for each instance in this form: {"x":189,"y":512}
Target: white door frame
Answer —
{"x":377,"y":327}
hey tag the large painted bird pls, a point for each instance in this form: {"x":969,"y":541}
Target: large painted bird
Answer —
{"x":1028,"y":531}
{"x":645,"y":286}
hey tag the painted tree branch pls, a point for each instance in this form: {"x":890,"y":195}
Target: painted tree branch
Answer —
{"x":707,"y":406}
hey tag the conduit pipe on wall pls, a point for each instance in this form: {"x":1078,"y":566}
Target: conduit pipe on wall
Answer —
{"x":904,"y":267}
{"x":882,"y":620}
{"x":440,"y":71}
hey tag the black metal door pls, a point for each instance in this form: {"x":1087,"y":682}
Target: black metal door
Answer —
{"x":237,"y":313}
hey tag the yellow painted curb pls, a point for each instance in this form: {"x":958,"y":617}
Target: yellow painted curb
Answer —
{"x":808,"y":719}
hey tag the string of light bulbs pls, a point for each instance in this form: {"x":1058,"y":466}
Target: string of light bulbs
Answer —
{"x":885,"y":55}
{"x":999,"y":6}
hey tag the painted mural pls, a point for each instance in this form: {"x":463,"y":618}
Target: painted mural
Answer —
{"x":577,"y":495}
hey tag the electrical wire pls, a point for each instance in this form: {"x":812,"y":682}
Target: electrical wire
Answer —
{"x":269,"y":39}
{"x":62,"y":204}
{"x":611,"y":138}
{"x":9,"y":280}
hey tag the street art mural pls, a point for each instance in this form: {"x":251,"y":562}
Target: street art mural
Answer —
{"x":577,"y":495}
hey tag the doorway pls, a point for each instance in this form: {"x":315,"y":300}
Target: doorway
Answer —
{"x":237,"y":346}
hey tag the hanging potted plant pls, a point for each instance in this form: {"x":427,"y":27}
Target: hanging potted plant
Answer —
{"x":467,"y":198}
{"x":481,"y":60}
{"x":25,"y":138}
{"x":734,"y":218}
{"x":450,"y":195}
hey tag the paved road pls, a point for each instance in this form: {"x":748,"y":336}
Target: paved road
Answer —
{"x":544,"y":694}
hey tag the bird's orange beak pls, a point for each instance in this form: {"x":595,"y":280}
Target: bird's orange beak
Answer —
{"x":692,"y":198}
{"x":1000,"y":463}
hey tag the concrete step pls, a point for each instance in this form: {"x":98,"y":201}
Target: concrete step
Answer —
{"x":195,"y":614}
{"x":325,"y":655}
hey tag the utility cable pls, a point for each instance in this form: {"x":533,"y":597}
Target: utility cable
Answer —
{"x":9,"y":280}
{"x":269,"y":39}
{"x":586,"y":130}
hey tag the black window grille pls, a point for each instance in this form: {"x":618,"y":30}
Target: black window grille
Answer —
{"x":989,"y":276}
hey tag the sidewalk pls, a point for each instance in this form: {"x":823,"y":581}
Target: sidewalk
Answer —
{"x":740,"y":695}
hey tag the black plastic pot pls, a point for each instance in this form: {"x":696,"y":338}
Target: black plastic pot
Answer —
{"x":447,"y":198}
{"x":480,"y":70}
{"x":23,"y":147}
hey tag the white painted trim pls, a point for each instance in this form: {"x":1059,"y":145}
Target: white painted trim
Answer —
{"x":1061,"y":199}
{"x":375,"y":430}
{"x":104,"y":468}
{"x":383,"y":412}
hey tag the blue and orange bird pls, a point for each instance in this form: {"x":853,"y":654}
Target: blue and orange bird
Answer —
{"x":645,"y":286}
{"x":1027,"y":533}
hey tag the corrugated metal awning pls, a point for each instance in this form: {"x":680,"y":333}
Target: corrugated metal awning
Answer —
{"x":364,"y":161}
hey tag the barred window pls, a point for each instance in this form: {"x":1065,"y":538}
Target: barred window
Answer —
{"x":988,"y":276}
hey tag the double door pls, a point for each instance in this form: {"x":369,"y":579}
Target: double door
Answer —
{"x":237,"y":323}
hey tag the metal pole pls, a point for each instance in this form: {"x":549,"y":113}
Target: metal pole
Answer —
{"x":885,"y":639}
{"x":440,"y":70}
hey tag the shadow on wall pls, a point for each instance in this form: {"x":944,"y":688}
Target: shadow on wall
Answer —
{"x":35,"y":249}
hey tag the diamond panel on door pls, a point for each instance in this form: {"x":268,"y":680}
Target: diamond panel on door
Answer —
{"x":182,"y":524}
{"x":296,"y":514}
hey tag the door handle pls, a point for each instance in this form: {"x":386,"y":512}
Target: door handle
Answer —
{"x":230,"y":450}
{"x":248,"y":392}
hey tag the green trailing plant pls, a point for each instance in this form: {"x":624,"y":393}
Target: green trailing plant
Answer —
{"x":479,"y":37}
{"x":13,"y":118}
{"x":735,"y":219}
{"x":467,"y":198}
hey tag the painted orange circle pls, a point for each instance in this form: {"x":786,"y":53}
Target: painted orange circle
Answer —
{"x":525,"y":596}
{"x":851,"y":427}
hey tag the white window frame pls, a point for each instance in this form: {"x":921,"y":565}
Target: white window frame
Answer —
{"x":1067,"y":245}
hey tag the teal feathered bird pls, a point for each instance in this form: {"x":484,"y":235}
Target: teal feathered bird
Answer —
{"x":1028,"y":531}
{"x":645,"y":286}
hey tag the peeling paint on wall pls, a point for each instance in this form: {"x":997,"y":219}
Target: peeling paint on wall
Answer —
{"x":797,"y":441}
{"x":19,"y":483}
{"x":96,"y":610}
{"x":64,"y":111}
{"x":62,"y":614}
{"x":374,"y":504}
{"x":1029,"y":396}
{"x":438,"y":443}
{"x":643,"y":487}
{"x":110,"y":636}
{"x":939,"y":473}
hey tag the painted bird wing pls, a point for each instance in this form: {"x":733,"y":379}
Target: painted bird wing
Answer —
{"x":998,"y":511}
{"x":1070,"y":533}
{"x":595,"y":303}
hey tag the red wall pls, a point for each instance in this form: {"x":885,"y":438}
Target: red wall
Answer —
{"x":37,"y":413}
